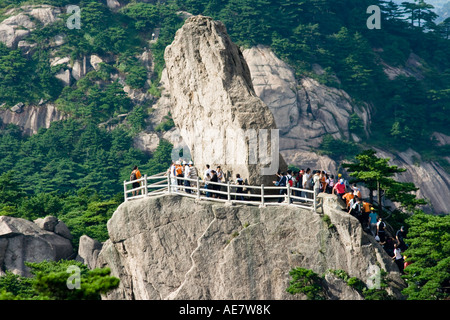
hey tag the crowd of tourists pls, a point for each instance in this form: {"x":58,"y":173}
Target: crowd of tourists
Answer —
{"x":351,"y":198}
{"x":184,"y":177}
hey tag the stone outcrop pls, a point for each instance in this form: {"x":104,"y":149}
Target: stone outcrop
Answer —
{"x":24,"y":241}
{"x":214,"y":105}
{"x":173,"y":247}
{"x":88,"y":251}
{"x":304,"y":110}
{"x":31,"y":118}
{"x":431,"y":179}
{"x":21,"y":22}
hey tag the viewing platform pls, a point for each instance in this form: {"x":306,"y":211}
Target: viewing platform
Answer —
{"x":262,"y":195}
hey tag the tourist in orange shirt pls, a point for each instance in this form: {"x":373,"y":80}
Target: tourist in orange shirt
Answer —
{"x":347,"y":197}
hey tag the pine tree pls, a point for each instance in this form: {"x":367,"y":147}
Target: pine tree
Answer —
{"x":376,"y":174}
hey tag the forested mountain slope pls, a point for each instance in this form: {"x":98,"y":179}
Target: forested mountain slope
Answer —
{"x":80,"y":106}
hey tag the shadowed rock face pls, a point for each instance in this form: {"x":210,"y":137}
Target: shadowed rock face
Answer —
{"x":171,"y":247}
{"x":214,"y":105}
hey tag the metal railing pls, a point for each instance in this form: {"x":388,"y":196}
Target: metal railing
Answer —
{"x":224,"y":192}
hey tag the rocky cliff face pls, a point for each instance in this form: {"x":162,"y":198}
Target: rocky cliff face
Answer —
{"x":22,"y":21}
{"x":171,"y":247}
{"x":31,"y":118}
{"x":214,"y":105}
{"x":305,"y":111}
{"x":431,"y":179}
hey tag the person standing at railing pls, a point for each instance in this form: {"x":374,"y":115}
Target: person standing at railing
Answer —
{"x":187,"y":175}
{"x":135,"y":175}
{"x":298,"y":182}
{"x":173,"y":173}
{"x":307,"y":182}
{"x":282,"y":181}
{"x":207,"y":186}
{"x":214,"y":186}
{"x":193,"y":174}
{"x":240,"y":182}
{"x":179,"y":173}
{"x":220,"y":177}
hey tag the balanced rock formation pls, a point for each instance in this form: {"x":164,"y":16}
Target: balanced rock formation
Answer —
{"x":214,"y":105}
{"x":24,"y":241}
{"x":173,"y":247}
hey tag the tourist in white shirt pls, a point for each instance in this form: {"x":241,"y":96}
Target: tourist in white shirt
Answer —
{"x":187,"y":174}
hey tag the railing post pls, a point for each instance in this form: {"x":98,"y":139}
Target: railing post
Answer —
{"x":145,"y":186}
{"x":169,"y":187}
{"x":315,"y":202}
{"x":125,"y":190}
{"x":198,"y":188}
{"x":228,"y":191}
{"x":288,"y":193}
{"x":262,"y":196}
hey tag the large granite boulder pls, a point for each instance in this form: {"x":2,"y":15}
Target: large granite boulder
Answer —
{"x":173,"y":247}
{"x":214,"y":105}
{"x":24,"y":241}
{"x":22,"y":21}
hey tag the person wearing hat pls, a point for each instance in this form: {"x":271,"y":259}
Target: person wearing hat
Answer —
{"x":345,"y":181}
{"x":339,"y":190}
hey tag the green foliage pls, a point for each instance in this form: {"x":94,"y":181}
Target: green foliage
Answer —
{"x":338,"y":149}
{"x":428,"y":276}
{"x":166,"y":125}
{"x":357,"y":284}
{"x":136,"y":119}
{"x":15,"y":286}
{"x":73,"y":171}
{"x":377,"y":174}
{"x":92,"y":103}
{"x":307,"y":282}
{"x":327,"y":220}
{"x":356,"y":124}
{"x":26,"y":80}
{"x":50,"y":282}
